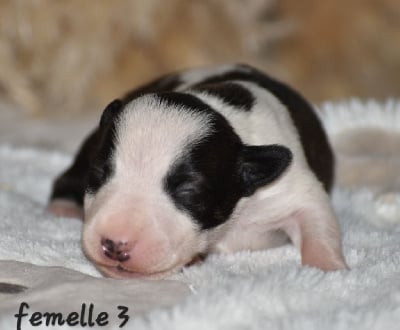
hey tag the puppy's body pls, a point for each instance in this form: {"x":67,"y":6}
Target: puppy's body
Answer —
{"x":208,"y":160}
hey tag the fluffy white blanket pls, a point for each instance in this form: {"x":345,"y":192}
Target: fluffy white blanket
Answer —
{"x":41,"y":262}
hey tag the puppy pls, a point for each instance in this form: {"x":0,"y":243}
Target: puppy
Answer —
{"x":212,"y":160}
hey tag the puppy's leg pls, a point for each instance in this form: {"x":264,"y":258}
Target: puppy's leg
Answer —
{"x":315,"y":231}
{"x":68,"y":190}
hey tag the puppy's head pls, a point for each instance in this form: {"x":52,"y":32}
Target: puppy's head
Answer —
{"x":166,"y":176}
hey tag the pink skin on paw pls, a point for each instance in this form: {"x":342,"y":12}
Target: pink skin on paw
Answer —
{"x":321,"y":243}
{"x":318,"y":254}
{"x":318,"y":241}
{"x":65,"y":208}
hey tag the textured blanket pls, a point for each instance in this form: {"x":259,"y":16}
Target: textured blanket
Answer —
{"x":41,"y":263}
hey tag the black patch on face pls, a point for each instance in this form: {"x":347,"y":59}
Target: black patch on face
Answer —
{"x":92,"y":165}
{"x":205,"y":182}
{"x":230,"y":93}
{"x":101,"y":166}
{"x":315,"y":143}
{"x":111,"y":112}
{"x":70,"y":184}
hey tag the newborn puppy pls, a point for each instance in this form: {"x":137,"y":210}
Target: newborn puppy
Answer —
{"x":203,"y":161}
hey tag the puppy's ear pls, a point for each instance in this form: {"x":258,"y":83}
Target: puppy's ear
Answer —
{"x":262,"y":165}
{"x":110,"y":112}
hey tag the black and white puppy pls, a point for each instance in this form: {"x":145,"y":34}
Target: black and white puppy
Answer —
{"x":203,"y":161}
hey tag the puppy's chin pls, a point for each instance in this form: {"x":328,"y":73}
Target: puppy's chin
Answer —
{"x":119,"y":272}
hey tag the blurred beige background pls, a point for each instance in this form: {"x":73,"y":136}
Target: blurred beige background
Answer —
{"x":73,"y":56}
{"x":62,"y":61}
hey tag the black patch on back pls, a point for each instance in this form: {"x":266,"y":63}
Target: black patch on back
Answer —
{"x":164,"y":84}
{"x":315,"y":143}
{"x":205,"y":182}
{"x":230,"y":93}
{"x":186,"y":102}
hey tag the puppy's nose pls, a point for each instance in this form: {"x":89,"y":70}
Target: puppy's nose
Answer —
{"x":115,"y":250}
